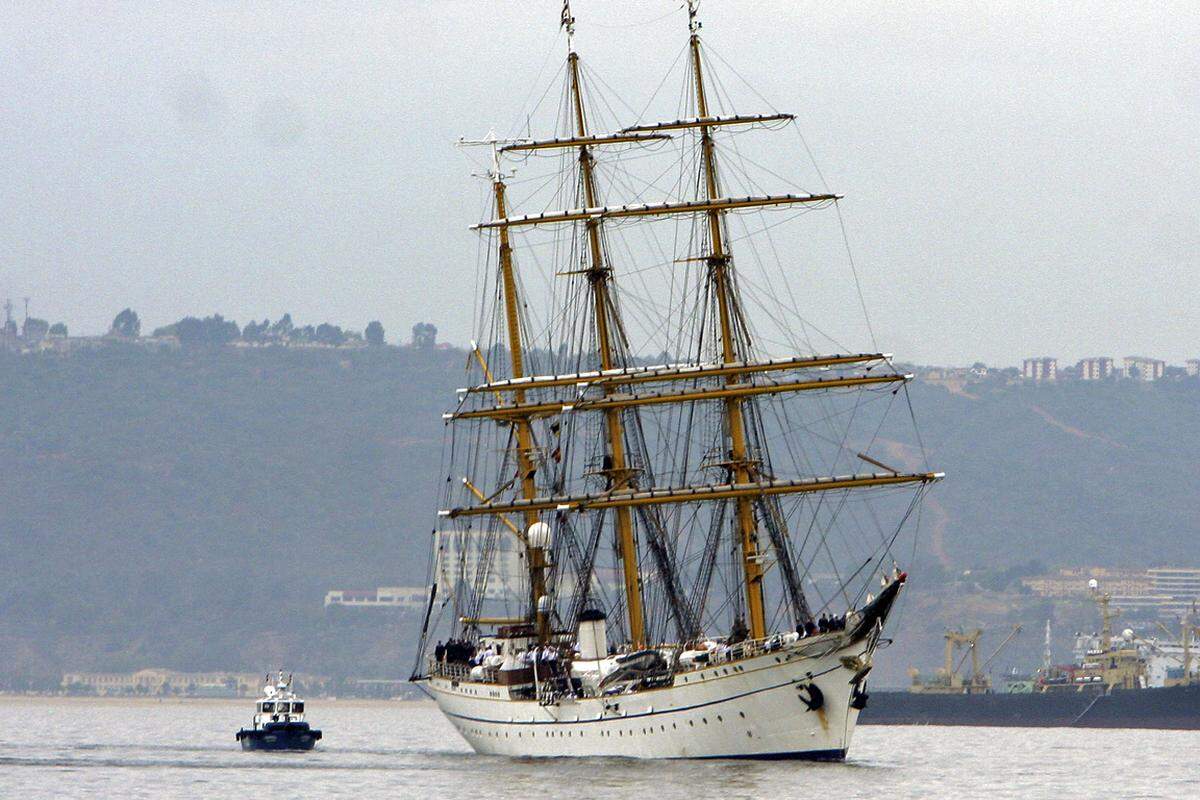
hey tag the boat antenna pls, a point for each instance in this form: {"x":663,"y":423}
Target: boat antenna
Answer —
{"x":495,"y":144}
{"x":694,"y":9}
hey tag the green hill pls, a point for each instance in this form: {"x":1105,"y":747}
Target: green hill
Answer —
{"x":190,"y":509}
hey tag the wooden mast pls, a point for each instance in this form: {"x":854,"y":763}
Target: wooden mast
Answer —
{"x":535,"y":556}
{"x":718,"y":266}
{"x":618,"y":472}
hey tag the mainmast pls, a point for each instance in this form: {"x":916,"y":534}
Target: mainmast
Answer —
{"x":616,"y":471}
{"x":718,"y":261}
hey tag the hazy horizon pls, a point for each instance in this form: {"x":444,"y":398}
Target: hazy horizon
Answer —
{"x":1019,"y":179}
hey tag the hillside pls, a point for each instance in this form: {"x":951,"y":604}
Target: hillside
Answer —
{"x":1073,"y":473}
{"x":189,"y":509}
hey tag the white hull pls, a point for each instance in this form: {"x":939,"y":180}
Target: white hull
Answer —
{"x":751,"y":708}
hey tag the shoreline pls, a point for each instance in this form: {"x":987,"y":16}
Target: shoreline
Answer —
{"x":42,"y":699}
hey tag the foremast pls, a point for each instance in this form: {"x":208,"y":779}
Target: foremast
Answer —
{"x":718,"y":261}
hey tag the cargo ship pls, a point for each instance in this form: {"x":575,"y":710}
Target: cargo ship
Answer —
{"x":1117,"y":681}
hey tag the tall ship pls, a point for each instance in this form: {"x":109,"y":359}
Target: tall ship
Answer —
{"x":1117,"y":680}
{"x":670,"y":516}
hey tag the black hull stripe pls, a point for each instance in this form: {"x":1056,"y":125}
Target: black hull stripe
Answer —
{"x":645,"y":713}
{"x":794,"y":755}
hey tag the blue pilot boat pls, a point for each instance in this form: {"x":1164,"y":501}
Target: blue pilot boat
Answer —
{"x":279,"y":722}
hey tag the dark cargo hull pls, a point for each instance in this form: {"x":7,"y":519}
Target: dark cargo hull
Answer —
{"x":1174,"y":708}
{"x":279,"y":736}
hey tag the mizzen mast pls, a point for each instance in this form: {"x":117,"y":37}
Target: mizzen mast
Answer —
{"x":534,"y":553}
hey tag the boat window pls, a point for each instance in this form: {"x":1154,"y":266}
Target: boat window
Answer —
{"x":268,"y":707}
{"x":283,"y":708}
{"x":298,"y":707}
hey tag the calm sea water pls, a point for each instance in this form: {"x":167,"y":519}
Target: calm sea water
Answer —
{"x":180,"y":749}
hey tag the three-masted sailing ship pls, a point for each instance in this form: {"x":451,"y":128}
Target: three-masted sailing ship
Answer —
{"x":636,"y":553}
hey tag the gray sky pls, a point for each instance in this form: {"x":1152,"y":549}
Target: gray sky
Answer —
{"x":1020,"y":178}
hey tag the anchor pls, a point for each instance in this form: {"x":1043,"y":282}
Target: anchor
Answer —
{"x":815,"y":698}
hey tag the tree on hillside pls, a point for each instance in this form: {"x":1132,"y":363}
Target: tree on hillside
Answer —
{"x":34,"y":329}
{"x":283,"y":327}
{"x":214,"y":330}
{"x":304,"y":333}
{"x":374,"y":332}
{"x":424,"y":335}
{"x":190,"y":330}
{"x":327,"y":333}
{"x":126,"y":324}
{"x":256,"y":331}
{"x":58,"y":329}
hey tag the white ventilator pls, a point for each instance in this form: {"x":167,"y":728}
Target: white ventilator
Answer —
{"x":593,"y":635}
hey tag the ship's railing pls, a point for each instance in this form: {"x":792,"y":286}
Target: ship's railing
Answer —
{"x":750,"y":648}
{"x":449,"y":669}
{"x":746,"y":649}
{"x":458,"y":671}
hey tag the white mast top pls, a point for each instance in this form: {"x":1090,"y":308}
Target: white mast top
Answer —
{"x":497,"y":144}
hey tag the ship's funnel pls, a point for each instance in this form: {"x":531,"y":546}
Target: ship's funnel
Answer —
{"x":593,"y":636}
